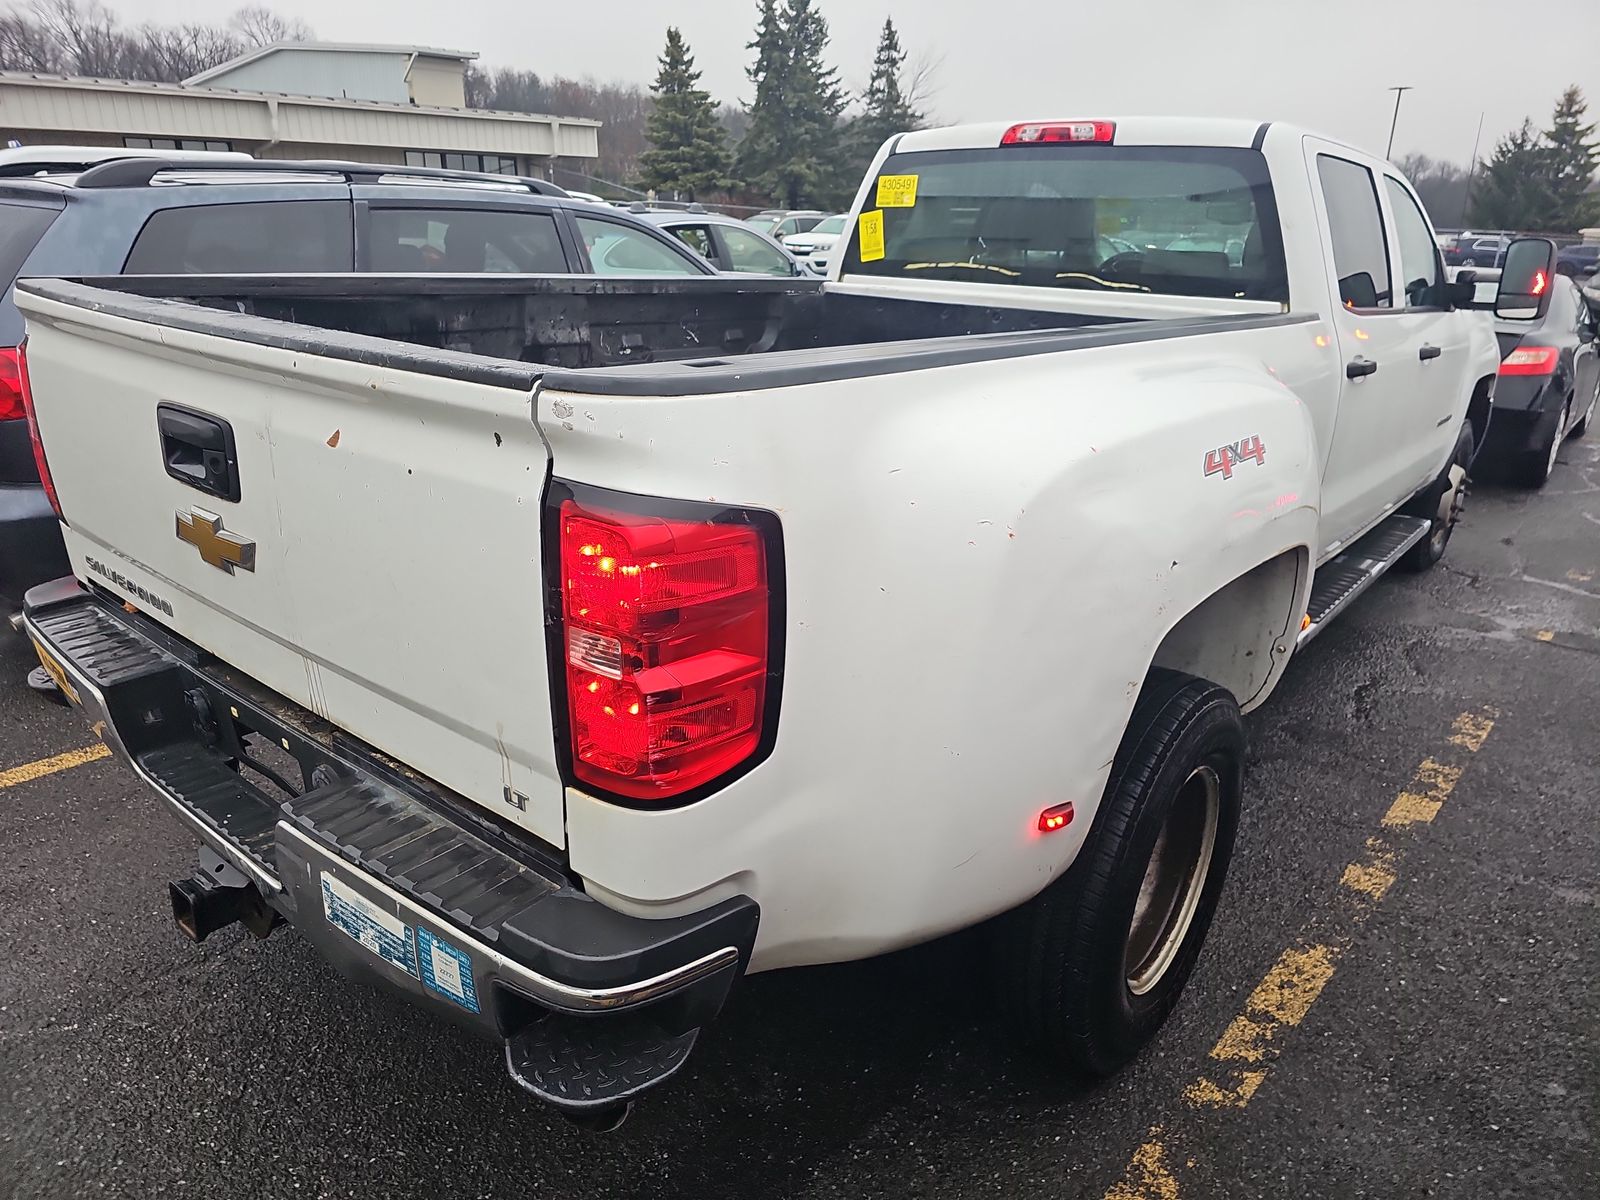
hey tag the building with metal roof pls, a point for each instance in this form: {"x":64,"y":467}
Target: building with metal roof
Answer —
{"x":348,"y":101}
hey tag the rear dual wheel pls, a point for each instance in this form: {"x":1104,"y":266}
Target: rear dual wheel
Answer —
{"x":1090,"y":968}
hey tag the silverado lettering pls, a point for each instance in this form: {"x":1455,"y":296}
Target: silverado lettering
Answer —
{"x":133,"y":589}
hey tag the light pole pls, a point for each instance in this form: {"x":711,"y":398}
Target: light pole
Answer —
{"x":1399,"y":93}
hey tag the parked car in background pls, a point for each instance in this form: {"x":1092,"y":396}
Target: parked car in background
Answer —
{"x":1580,"y":261}
{"x":1475,"y":250}
{"x":781,"y":224}
{"x":1549,"y":381}
{"x":811,"y":246}
{"x":727,"y":243}
{"x":227,"y":216}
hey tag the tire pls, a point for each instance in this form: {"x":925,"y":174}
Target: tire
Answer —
{"x":1078,"y":979}
{"x":1582,"y":427}
{"x":1537,"y":467}
{"x":1442,"y":504}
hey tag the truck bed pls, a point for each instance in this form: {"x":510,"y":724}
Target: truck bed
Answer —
{"x":663,"y":337}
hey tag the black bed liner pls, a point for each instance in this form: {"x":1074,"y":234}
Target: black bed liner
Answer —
{"x":642,"y":337}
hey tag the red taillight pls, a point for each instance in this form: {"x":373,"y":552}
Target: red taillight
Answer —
{"x":1530,"y":360}
{"x":666,"y":624}
{"x":1043,"y":132}
{"x":11,"y":406}
{"x":25,"y":398}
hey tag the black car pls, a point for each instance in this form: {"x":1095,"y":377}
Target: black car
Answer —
{"x":1548,"y":386}
{"x":1579,"y":261}
{"x":147,"y":216}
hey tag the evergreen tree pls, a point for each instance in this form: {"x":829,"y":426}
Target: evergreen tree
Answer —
{"x":688,"y":150}
{"x":761,"y":149}
{"x":792,"y":148}
{"x":1570,"y":158}
{"x":888,"y":110}
{"x":1511,"y":192}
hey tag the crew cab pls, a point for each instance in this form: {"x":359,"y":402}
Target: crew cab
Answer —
{"x":619,"y":638}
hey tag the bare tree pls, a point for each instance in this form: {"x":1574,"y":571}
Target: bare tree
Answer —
{"x":921,"y":85}
{"x":257,"y":25}
{"x":26,"y":46}
{"x":175,"y":52}
{"x":90,"y":41}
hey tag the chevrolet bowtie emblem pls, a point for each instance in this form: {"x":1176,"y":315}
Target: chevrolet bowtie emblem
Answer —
{"x":203,"y":530}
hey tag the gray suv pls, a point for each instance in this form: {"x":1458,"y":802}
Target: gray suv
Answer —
{"x":145,"y":216}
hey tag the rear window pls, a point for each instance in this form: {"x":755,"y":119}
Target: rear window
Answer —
{"x":21,"y":227}
{"x":1177,"y":221}
{"x":287,"y":237}
{"x":466,"y":241}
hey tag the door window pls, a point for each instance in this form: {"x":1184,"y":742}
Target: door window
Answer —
{"x":286,"y":237}
{"x":1355,"y":222}
{"x":620,"y":250}
{"x":466,"y":241}
{"x":697,"y":238}
{"x":1421,"y":275}
{"x":747,"y":253}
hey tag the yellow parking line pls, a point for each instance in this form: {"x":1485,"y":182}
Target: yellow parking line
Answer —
{"x":1288,"y":990}
{"x":49,"y":766}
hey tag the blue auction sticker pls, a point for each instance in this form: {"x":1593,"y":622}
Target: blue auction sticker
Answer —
{"x":446,"y":970}
{"x":382,"y":933}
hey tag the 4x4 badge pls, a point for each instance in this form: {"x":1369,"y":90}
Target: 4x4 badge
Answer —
{"x":203,"y":530}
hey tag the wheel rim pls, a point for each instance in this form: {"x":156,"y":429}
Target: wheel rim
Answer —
{"x":1450,"y":506}
{"x":1174,"y":880}
{"x":1557,"y":438}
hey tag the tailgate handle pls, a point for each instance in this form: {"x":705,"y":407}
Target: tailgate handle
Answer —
{"x":197,"y":449}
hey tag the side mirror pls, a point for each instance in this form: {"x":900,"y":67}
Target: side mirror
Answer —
{"x":1525,"y":280}
{"x":1463,"y":289}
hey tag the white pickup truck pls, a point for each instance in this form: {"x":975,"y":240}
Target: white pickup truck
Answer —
{"x":558,"y":650}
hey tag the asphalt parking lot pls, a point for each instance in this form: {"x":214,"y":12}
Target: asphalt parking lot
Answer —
{"x":1398,"y":998}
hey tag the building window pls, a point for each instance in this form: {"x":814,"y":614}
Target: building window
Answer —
{"x":134,"y":143}
{"x":490,"y":164}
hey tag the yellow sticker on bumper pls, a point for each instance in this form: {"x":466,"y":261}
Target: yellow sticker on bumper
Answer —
{"x":897,"y":191}
{"x":871,"y":236}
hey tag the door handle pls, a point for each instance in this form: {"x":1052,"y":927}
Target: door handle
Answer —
{"x":198,"y":450}
{"x":1360,"y":368}
{"x":1428,"y":352}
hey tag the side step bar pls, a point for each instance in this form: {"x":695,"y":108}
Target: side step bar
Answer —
{"x":1340,"y":580}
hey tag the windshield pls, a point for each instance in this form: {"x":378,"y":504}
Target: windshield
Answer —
{"x":831,"y":225}
{"x":1180,"y":221}
{"x":764,"y":224}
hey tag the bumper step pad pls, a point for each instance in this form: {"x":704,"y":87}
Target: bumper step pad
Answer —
{"x":579,"y":1063}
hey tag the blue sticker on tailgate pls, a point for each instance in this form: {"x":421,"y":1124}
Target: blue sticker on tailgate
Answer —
{"x":385,"y":934}
{"x":446,"y":970}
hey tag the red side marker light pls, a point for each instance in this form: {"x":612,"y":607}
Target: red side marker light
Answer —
{"x":1056,"y":817}
{"x":1042,"y":132}
{"x":1539,"y":283}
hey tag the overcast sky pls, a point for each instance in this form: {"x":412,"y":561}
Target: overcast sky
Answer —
{"x":1322,"y":63}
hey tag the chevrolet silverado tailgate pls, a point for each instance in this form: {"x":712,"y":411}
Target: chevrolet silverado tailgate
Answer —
{"x":380,"y":564}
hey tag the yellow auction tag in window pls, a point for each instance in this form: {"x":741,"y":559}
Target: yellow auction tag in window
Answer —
{"x":871,"y":236}
{"x":897,"y":191}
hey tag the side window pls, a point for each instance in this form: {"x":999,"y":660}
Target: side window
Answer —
{"x":465,"y":241}
{"x":1421,"y":276}
{"x":1360,"y":252}
{"x":747,"y":253}
{"x":697,"y":238}
{"x":620,"y":250}
{"x":285,"y":237}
